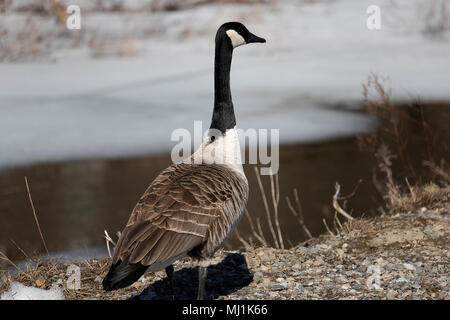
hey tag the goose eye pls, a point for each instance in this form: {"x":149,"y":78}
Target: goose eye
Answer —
{"x":213,"y":138}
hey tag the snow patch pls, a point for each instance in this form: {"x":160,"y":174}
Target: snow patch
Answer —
{"x":18,"y":291}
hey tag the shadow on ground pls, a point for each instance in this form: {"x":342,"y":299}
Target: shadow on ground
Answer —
{"x":226,"y":277}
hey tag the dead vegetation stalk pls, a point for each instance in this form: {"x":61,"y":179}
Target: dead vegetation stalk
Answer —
{"x":298,"y":213}
{"x":275,"y":191}
{"x":267,"y":210}
{"x":336,"y":205}
{"x":35,"y":217}
{"x":276,"y":232}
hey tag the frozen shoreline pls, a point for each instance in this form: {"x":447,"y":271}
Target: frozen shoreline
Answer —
{"x":74,"y":106}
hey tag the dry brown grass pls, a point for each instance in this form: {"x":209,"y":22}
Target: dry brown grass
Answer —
{"x":410,"y":147}
{"x":429,"y":196}
{"x":44,"y":274}
{"x":413,"y":132}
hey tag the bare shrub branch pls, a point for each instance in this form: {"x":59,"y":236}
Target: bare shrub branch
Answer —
{"x":326,"y":226}
{"x":298,"y":213}
{"x":108,"y":241}
{"x":266,"y":206}
{"x":336,"y":205}
{"x":245,"y":243}
{"x":260,"y":235}
{"x":275,"y":191}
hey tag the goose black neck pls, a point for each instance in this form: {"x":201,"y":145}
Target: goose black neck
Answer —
{"x":223,"y":114}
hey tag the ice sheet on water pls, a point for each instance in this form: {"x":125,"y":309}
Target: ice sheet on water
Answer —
{"x":316,"y":57}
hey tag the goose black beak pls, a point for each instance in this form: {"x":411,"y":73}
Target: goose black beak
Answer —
{"x":254,"y":38}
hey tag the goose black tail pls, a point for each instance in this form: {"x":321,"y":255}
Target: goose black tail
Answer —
{"x":122,"y":274}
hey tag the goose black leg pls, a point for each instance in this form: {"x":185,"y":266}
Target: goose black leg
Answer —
{"x":169,"y":272}
{"x":202,"y":271}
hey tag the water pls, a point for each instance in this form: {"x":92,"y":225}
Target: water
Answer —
{"x":76,"y":201}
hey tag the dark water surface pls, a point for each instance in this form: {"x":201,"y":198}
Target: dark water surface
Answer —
{"x":76,"y":201}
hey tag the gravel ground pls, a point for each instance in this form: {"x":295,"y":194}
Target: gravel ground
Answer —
{"x":402,"y":256}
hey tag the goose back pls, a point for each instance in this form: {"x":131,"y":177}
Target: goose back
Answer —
{"x":188,"y":209}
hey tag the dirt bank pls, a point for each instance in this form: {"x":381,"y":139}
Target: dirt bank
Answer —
{"x":399,"y":256}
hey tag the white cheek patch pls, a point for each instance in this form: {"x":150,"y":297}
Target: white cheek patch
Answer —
{"x":236,"y":39}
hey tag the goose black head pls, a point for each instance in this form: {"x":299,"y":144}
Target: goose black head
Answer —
{"x":237,"y":34}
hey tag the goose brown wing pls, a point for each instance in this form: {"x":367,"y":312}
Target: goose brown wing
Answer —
{"x":176,"y":212}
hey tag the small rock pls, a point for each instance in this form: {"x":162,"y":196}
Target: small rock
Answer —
{"x":323,"y":247}
{"x":409,"y":266}
{"x":340,"y":253}
{"x":273,"y":295}
{"x":366,"y":262}
{"x":136,"y":285}
{"x":401,"y":279}
{"x":257,"y":276}
{"x":266,"y":282}
{"x":297,"y":266}
{"x":264,"y":268}
{"x":415,"y":285}
{"x":391,"y":294}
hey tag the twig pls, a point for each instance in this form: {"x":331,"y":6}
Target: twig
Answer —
{"x":5,"y":258}
{"x":245,"y":243}
{"x":326,"y":226}
{"x":274,"y":187}
{"x":352,"y":193}
{"x":260,"y":237}
{"x":301,"y":244}
{"x":290,"y":243}
{"x":266,"y":206}
{"x":298,"y":214}
{"x":438,"y":171}
{"x":258,"y":224}
{"x":376,"y":183}
{"x":20,"y":249}
{"x":336,"y":205}
{"x":108,"y":240}
{"x":250,"y":240}
{"x":335,"y":225}
{"x":411,"y":190}
{"x":35,"y":216}
{"x":338,"y":222}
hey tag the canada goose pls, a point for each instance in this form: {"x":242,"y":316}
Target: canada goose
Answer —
{"x":191,"y":207}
